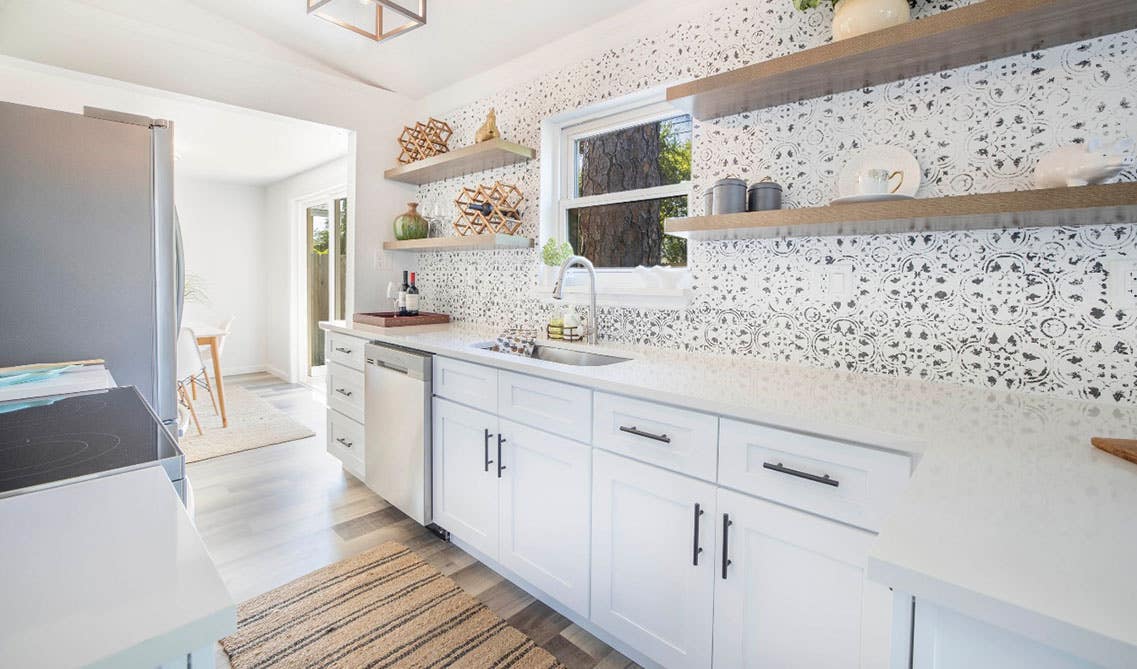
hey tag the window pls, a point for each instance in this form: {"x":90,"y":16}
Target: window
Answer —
{"x":620,"y":175}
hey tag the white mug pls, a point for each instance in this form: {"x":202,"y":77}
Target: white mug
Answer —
{"x":876,"y":182}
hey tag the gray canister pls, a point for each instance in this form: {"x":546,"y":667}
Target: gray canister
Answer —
{"x":729,"y":196}
{"x":763,"y":196}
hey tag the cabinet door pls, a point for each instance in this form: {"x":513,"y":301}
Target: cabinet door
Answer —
{"x":545,"y":500}
{"x":465,"y":489}
{"x":794,"y":593}
{"x":651,"y":587}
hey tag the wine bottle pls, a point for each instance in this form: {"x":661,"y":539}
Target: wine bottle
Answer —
{"x":485,"y":208}
{"x":403,"y":296}
{"x":412,"y":297}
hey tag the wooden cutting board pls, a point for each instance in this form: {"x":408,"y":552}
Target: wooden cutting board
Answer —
{"x":389,"y":319}
{"x":1126,"y":449}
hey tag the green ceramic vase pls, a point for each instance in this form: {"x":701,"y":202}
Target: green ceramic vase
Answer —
{"x":410,"y":224}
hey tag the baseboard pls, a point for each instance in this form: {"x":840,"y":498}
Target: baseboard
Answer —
{"x":283,"y":376}
{"x":236,"y":371}
{"x":575,"y":617}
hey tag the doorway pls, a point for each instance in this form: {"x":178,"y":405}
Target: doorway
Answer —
{"x":325,"y":271}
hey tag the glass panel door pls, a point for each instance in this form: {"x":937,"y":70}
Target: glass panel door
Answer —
{"x":319,"y":283}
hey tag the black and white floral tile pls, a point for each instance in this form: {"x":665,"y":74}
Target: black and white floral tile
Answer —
{"x":1017,"y":309}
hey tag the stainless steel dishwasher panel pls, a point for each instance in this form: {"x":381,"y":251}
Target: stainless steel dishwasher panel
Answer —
{"x":397,"y":425}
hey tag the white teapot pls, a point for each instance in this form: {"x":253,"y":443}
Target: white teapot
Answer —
{"x":1094,"y":162}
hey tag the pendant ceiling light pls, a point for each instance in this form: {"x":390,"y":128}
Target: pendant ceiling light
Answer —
{"x":377,"y":19}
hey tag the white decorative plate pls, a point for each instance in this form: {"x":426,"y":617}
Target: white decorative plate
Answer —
{"x":883,"y":157}
{"x":876,"y":197}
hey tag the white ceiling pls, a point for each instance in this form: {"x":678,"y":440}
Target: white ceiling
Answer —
{"x":212,"y":140}
{"x":461,"y":37}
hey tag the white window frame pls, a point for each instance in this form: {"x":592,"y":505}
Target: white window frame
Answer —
{"x":615,"y":285}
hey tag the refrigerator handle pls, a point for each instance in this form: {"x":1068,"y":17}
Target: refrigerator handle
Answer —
{"x":180,"y":263}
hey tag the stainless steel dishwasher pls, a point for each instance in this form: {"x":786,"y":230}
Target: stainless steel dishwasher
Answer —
{"x":397,"y":424}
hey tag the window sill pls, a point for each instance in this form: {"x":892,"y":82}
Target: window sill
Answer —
{"x":623,"y":289}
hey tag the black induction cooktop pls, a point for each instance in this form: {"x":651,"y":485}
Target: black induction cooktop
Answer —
{"x":52,"y":441}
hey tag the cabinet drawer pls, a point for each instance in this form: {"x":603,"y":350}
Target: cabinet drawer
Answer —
{"x":677,"y":439}
{"x":850,"y":483}
{"x":554,"y":407}
{"x":346,"y":350}
{"x":345,"y":391}
{"x":466,"y":383}
{"x":345,"y":442}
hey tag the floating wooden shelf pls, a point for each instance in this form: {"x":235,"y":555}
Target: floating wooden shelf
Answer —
{"x":976,"y":33}
{"x":460,"y":162}
{"x":468,"y":243}
{"x":1087,"y":205}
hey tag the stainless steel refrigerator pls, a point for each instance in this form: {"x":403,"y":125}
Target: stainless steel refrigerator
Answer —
{"x":90,"y":252}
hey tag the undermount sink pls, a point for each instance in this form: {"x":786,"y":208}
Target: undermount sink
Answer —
{"x":564,"y":356}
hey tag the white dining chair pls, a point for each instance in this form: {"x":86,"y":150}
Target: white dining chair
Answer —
{"x":191,"y":373}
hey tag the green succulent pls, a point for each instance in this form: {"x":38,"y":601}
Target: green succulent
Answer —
{"x":553,"y":253}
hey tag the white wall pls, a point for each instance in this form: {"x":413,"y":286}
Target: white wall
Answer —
{"x":281,"y":271}
{"x":223,"y":232}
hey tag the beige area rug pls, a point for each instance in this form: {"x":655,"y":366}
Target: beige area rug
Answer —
{"x":253,"y":423}
{"x":383,"y":608}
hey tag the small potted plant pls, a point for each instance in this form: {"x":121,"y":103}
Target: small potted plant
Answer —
{"x":857,"y":17}
{"x":553,"y":254}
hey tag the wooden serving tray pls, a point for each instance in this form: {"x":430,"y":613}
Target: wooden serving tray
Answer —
{"x":389,"y":319}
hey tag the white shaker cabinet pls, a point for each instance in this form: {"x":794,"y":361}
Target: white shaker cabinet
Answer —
{"x":545,"y":486}
{"x":651,"y":587}
{"x":465,"y":474}
{"x":794,"y":593}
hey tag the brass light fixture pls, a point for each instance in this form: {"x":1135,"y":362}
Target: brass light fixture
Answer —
{"x":366,"y":17}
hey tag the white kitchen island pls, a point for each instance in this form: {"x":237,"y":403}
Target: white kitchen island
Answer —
{"x":108,"y":572}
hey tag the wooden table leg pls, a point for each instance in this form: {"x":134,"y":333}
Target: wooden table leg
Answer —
{"x":213,"y":352}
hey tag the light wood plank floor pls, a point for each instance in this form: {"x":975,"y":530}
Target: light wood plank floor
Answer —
{"x":273,"y":514}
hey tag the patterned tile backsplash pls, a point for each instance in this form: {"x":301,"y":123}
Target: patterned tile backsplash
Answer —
{"x":1015,"y":309}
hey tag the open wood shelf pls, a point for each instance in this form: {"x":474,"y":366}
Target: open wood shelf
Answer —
{"x":460,"y":162}
{"x":1086,"y":205}
{"x":467,"y":243}
{"x":976,"y":33}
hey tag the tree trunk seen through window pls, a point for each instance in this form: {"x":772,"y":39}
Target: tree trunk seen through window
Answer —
{"x":625,"y":234}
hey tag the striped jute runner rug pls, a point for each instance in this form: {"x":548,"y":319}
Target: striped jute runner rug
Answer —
{"x":383,"y":608}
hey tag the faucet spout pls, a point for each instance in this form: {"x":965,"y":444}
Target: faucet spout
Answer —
{"x":590,"y":331}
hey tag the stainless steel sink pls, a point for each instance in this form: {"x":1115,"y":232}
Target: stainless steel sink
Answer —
{"x":564,"y":356}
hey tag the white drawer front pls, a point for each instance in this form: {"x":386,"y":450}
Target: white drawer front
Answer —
{"x":345,"y":442}
{"x":346,"y":350}
{"x":850,"y":483}
{"x":466,"y":383}
{"x":677,"y":439}
{"x":551,"y":406}
{"x":345,"y":391}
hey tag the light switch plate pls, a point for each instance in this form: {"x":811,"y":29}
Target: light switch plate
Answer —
{"x":1122,"y":281}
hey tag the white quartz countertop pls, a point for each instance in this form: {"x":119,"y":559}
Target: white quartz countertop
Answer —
{"x":1011,"y":516}
{"x":106,"y":573}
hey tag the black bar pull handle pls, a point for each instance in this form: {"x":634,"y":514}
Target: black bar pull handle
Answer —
{"x":344,"y":391}
{"x":695,"y":556}
{"x":486,"y":450}
{"x":800,"y":474}
{"x":726,"y":523}
{"x":500,"y":466}
{"x":343,"y":350}
{"x":647,"y":435}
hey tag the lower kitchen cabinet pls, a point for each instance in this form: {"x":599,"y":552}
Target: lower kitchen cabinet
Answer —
{"x":465,"y":486}
{"x":794,"y":593}
{"x":944,"y":639}
{"x":653,"y":560}
{"x":545,"y":498}
{"x":518,"y":495}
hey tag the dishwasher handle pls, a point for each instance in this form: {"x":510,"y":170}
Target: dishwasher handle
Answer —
{"x":387,"y":365}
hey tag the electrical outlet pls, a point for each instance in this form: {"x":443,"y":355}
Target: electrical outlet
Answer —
{"x":380,"y":260}
{"x":833,"y":282}
{"x":1122,"y":282}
